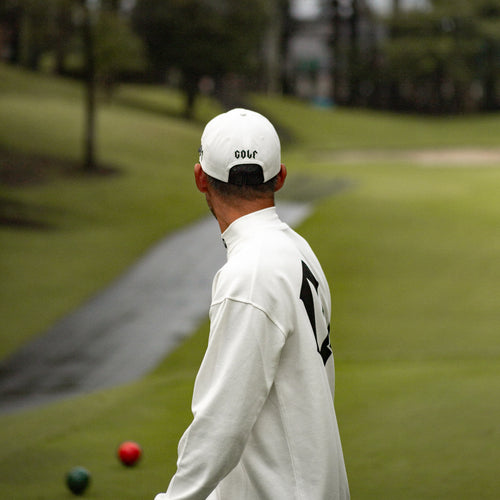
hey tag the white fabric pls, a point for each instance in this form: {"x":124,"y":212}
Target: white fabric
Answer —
{"x":264,"y":425}
{"x":239,"y":137}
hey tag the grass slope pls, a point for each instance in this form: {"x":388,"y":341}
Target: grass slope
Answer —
{"x":95,"y":226}
{"x":412,"y":255}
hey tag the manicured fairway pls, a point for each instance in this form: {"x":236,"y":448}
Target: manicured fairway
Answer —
{"x":411,"y":253}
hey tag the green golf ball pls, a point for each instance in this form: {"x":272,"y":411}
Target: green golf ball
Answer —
{"x":78,"y":479}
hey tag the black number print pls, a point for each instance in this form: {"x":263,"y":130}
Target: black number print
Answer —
{"x":308,"y":298}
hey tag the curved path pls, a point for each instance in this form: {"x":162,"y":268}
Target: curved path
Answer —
{"x":126,"y":330}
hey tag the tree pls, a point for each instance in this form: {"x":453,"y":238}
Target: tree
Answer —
{"x":11,"y":14}
{"x":446,"y":58}
{"x":275,"y":46}
{"x":336,"y":46}
{"x":201,"y":38}
{"x":89,"y":161}
{"x":117,"y":48}
{"x":62,"y":33}
{"x":92,"y":34}
{"x":352,"y":49}
{"x":27,"y":27}
{"x":108,"y":47}
{"x":488,"y":62}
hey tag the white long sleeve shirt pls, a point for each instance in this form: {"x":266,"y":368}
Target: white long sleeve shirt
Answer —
{"x":264,"y":424}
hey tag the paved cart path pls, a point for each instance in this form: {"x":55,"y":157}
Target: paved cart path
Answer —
{"x":126,"y":330}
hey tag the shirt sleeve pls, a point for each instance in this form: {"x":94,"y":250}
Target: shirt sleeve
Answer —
{"x":231,"y":387}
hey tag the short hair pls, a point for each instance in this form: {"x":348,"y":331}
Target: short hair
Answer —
{"x":245,"y":181}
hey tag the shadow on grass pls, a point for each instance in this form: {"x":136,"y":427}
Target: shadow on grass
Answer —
{"x":20,"y":170}
{"x":22,"y":215}
{"x":161,"y":110}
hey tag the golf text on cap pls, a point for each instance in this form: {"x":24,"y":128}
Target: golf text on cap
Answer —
{"x":245,"y":154}
{"x":239,"y":137}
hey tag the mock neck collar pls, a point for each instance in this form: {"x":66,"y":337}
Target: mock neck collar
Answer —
{"x":249,"y":224}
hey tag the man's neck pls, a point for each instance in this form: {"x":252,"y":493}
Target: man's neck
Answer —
{"x":227,"y":213}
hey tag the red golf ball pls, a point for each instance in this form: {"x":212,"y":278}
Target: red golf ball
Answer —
{"x":129,"y":453}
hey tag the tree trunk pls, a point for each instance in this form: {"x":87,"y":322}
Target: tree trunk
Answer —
{"x":335,"y":45}
{"x":354,"y":53}
{"x":89,"y":162}
{"x":191,"y":92}
{"x":287,"y":31}
{"x":63,"y":32}
{"x":273,"y":60}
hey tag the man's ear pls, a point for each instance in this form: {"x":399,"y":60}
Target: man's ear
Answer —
{"x":280,"y":178}
{"x":200,"y":178}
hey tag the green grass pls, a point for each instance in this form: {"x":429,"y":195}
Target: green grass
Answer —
{"x":411,"y":253}
{"x":41,"y":446}
{"x":317,"y":130}
{"x":414,"y":430}
{"x":100,"y":225}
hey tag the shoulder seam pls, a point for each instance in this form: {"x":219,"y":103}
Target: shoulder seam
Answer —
{"x":255,"y":306}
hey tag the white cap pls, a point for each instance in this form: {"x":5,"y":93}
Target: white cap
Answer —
{"x":239,"y":137}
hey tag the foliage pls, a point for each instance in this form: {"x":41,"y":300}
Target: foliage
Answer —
{"x":446,"y":58}
{"x":118,"y":50}
{"x":442,"y":58}
{"x":201,"y":37}
{"x":49,"y":29}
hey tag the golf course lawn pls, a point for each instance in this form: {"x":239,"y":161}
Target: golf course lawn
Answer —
{"x":410,"y":250}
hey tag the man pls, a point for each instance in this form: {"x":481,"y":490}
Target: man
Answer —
{"x":264,"y":425}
